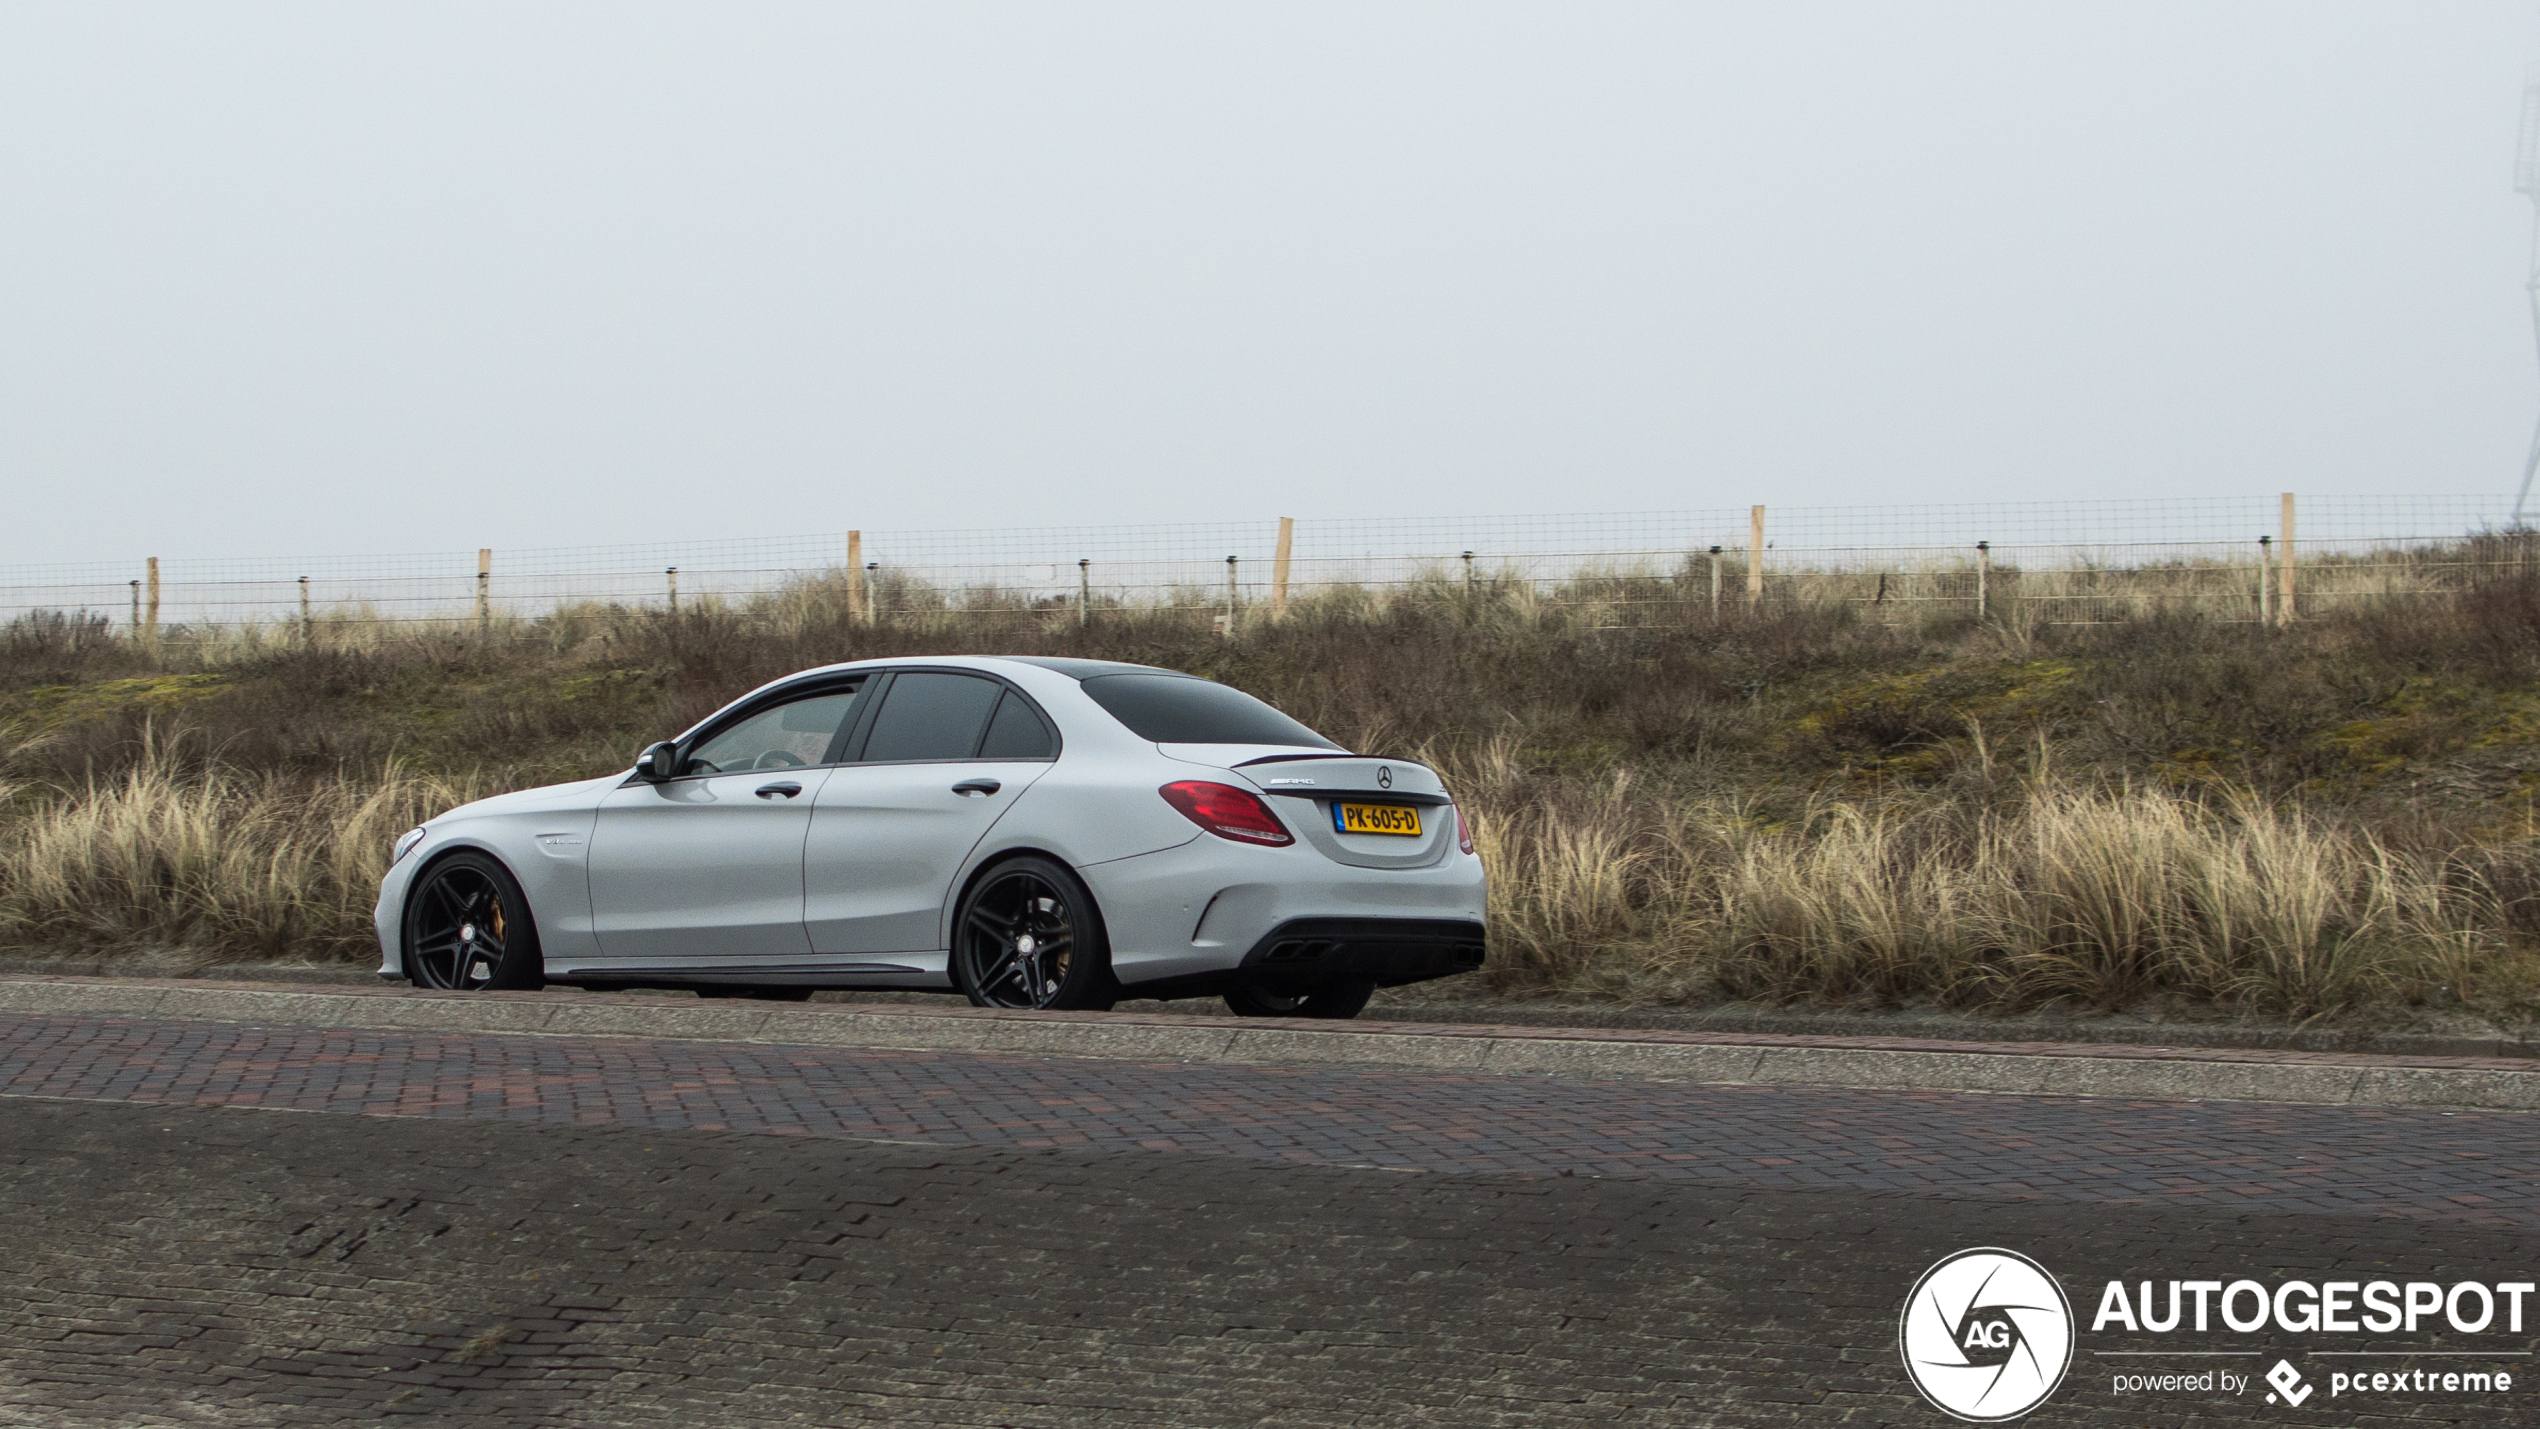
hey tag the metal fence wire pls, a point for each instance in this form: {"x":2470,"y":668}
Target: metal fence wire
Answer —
{"x":2055,"y":561}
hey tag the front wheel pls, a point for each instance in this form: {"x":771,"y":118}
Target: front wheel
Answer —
{"x":1340,"y":998}
{"x":1028,"y":936}
{"x":468,"y":929}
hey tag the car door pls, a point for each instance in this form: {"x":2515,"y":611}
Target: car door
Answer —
{"x":940,"y":761}
{"x":709,"y":865}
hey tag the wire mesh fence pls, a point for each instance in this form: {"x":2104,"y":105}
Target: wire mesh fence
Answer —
{"x":2056,"y":562}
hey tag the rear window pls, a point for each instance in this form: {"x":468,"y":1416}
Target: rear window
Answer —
{"x":1178,"y":709}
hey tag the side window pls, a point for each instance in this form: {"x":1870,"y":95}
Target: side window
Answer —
{"x":1017,"y":733}
{"x":786,"y":736}
{"x":929,"y":715}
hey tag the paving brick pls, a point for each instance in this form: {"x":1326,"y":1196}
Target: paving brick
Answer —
{"x":535,"y":1231}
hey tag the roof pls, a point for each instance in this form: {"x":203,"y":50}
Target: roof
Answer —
{"x":1088,"y":669}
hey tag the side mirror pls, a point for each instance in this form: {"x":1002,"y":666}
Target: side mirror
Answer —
{"x":658,"y":762}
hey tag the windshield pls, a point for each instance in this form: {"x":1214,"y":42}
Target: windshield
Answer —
{"x":1180,"y":709}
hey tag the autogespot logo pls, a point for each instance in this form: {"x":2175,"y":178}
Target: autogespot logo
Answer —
{"x":1986,"y":1335}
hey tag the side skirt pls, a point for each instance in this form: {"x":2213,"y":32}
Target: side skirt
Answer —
{"x":877,"y":972}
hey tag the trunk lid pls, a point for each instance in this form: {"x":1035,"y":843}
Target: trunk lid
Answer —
{"x":1309,"y":789}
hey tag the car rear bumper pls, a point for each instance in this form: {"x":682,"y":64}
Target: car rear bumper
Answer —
{"x":1391,"y":951}
{"x":1304,"y":953}
{"x":1194,"y":920}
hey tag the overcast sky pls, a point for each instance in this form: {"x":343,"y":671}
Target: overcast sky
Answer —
{"x":279,"y":279}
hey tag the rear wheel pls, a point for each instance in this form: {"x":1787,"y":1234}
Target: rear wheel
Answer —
{"x":1339,"y":998}
{"x":468,"y":929}
{"x":1028,"y":936}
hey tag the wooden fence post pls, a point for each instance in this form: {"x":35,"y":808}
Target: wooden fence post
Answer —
{"x":1279,"y":568}
{"x":1755,"y":559}
{"x":872,"y":593}
{"x":150,"y":614}
{"x":1984,"y":575}
{"x":308,"y":627}
{"x":132,"y":627}
{"x":2266,"y":581}
{"x":856,"y":596}
{"x":1715,"y":582}
{"x":1230,"y":596}
{"x":1085,"y":591}
{"x":2284,"y":568}
{"x":672,"y":572}
{"x":484,"y":590}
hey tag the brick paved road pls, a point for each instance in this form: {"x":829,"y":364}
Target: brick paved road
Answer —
{"x":535,"y":1230}
{"x":2471,"y":1166}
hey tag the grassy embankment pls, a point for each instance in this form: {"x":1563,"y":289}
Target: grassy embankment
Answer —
{"x":1801,"y":805}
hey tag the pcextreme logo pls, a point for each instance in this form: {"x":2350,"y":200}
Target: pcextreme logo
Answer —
{"x":1986,"y":1335}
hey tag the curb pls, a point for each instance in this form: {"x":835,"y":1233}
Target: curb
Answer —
{"x":1526,"y":1012}
{"x":1728,"y":1058}
{"x":2097,"y":1032}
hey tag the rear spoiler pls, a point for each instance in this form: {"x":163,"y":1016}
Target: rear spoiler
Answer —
{"x":1373,"y":796}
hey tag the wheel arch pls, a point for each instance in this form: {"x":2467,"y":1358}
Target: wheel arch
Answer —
{"x":1001,"y":857}
{"x":460,"y":845}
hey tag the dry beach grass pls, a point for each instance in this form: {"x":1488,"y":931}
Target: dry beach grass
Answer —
{"x":1801,"y":804}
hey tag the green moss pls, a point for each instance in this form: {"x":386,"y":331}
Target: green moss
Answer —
{"x":2426,"y":721}
{"x":30,"y":713}
{"x":1913,"y":726}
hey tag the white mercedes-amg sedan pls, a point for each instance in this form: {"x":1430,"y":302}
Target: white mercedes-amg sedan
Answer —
{"x":1033,"y":833}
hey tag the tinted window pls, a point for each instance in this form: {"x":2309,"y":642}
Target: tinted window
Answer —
{"x":931,"y":716}
{"x":1017,"y":733}
{"x":785,"y":736}
{"x":1177,"y":709}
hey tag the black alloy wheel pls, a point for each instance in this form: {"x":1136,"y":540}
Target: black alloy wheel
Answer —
{"x":1028,"y":936}
{"x":468,"y":929}
{"x":1340,"y":998}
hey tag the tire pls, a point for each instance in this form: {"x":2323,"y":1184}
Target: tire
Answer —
{"x":759,"y":994}
{"x":468,"y":929}
{"x":1339,"y":999}
{"x":1027,"y":935}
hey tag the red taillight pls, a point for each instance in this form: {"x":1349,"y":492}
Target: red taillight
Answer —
{"x":1227,"y":811}
{"x":1463,"y":830}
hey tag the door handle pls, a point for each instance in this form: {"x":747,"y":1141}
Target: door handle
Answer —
{"x":789,"y":789}
{"x":977,"y":786}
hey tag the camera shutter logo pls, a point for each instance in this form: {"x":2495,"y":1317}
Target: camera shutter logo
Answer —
{"x":1986,"y":1335}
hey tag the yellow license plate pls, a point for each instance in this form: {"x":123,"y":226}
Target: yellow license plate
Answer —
{"x":1376,"y":819}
